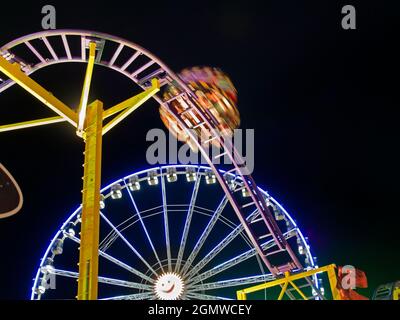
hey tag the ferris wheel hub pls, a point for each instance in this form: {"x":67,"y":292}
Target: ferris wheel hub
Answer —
{"x":169,"y":286}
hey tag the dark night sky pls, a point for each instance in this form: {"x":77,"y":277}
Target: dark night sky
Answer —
{"x":321,"y":101}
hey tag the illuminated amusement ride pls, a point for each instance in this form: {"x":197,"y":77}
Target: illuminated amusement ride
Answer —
{"x":167,"y":232}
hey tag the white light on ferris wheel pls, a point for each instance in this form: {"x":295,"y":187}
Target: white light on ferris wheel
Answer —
{"x":210,"y":177}
{"x":245,"y":193}
{"x":116,"y":192}
{"x":47,"y":266}
{"x":57,"y":247}
{"x":230,"y":181}
{"x":152,"y":178}
{"x":171,"y":175}
{"x":300,"y":246}
{"x":70,"y":229}
{"x":133,"y":183}
{"x":102,"y":203}
{"x":190,"y":175}
{"x":278,"y":213}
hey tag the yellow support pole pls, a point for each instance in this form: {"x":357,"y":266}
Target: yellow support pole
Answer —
{"x":31,"y":123}
{"x":86,"y":88}
{"x":333,"y":281}
{"x":14,"y":72}
{"x":284,"y":286}
{"x":88,"y":257}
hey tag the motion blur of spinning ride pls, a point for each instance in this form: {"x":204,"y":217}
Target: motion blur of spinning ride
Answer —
{"x":214,"y":93}
{"x":195,"y":256}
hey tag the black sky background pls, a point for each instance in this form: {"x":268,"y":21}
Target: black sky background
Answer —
{"x":323,"y":102}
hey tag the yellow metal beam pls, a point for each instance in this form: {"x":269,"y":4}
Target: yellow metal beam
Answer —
{"x":14,"y":72}
{"x":31,"y":123}
{"x":298,"y":290}
{"x":89,"y":247}
{"x":396,"y":294}
{"x":129,"y":105}
{"x":284,"y":287}
{"x":106,"y":114}
{"x":330,"y":269}
{"x":86,"y":88}
{"x":241,"y":295}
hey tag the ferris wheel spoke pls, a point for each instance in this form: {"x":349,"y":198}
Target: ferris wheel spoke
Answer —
{"x":219,"y":247}
{"x":214,"y":252}
{"x":199,"y":296}
{"x":232,"y":282}
{"x":205,"y":234}
{"x":223,"y":266}
{"x":235,"y":260}
{"x":128,"y":244}
{"x":188,"y":222}
{"x":125,"y":266}
{"x":111,"y":236}
{"x":123,"y":283}
{"x":115,"y":261}
{"x":136,"y":296}
{"x":105,"y":280}
{"x":166,"y":224}
{"x":144,"y":226}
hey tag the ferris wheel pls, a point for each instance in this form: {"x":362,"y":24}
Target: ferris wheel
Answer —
{"x":258,"y":217}
{"x":167,"y":233}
